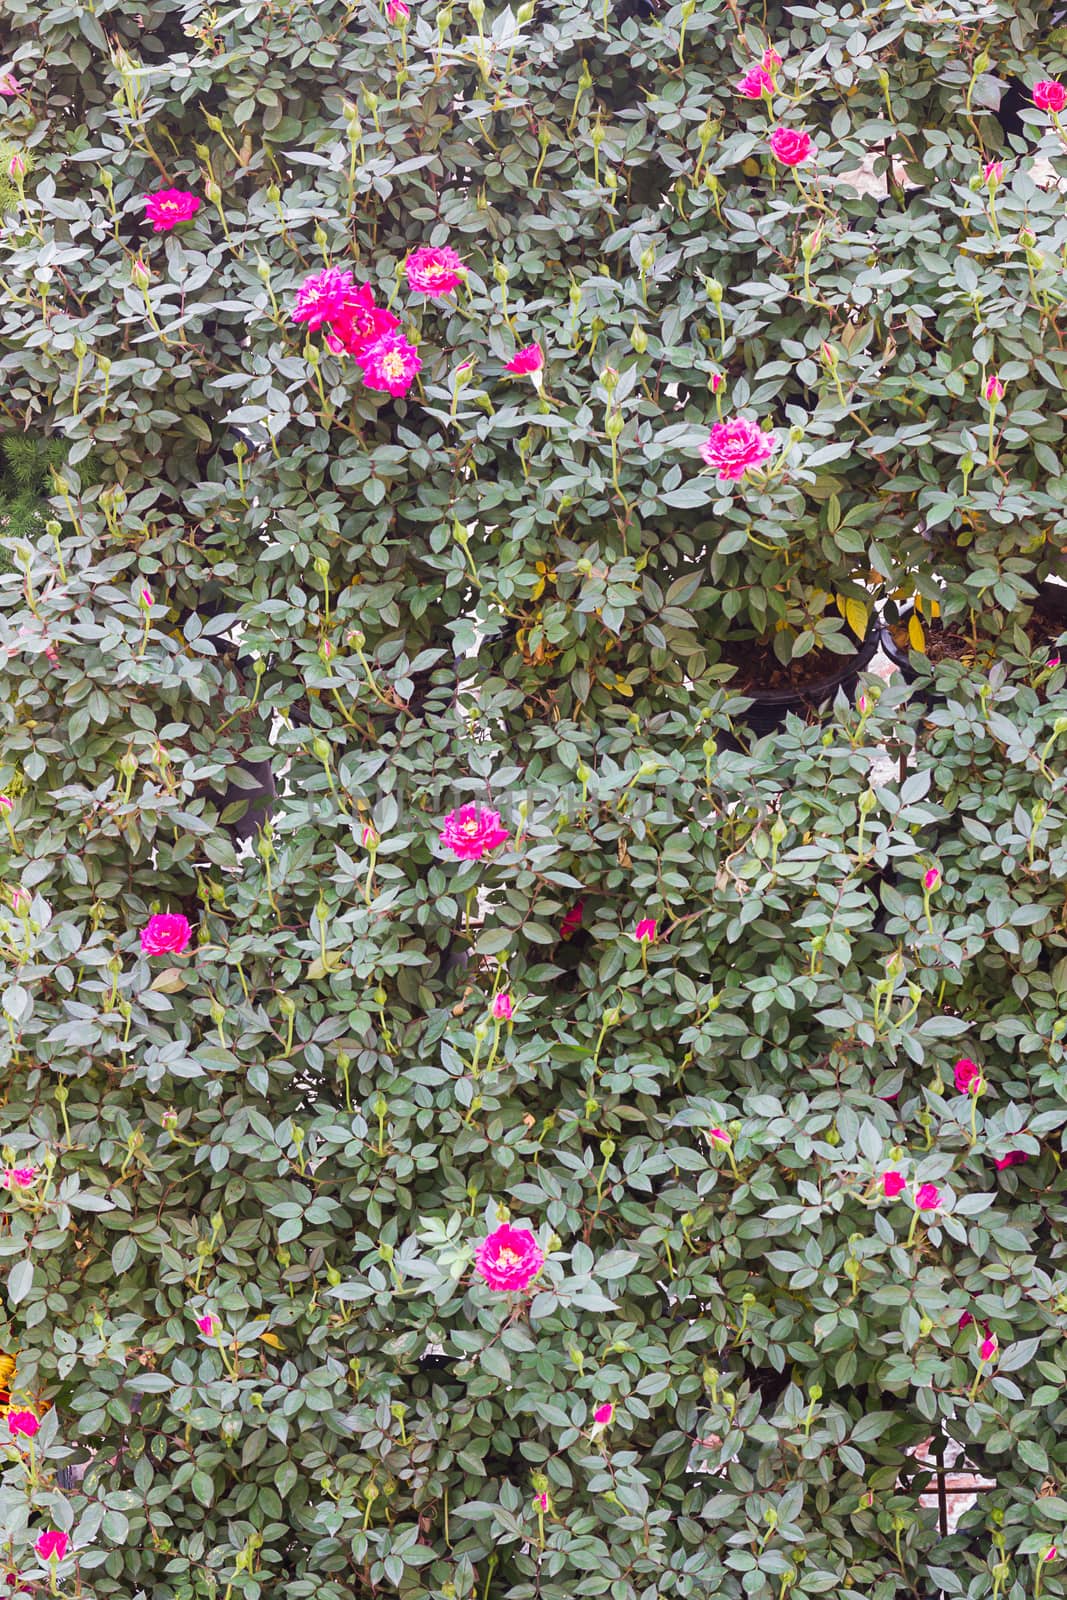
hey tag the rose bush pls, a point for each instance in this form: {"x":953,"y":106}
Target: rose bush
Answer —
{"x":492,"y":1127}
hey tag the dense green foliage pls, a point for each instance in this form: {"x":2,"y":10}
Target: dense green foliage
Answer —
{"x":304,"y":1126}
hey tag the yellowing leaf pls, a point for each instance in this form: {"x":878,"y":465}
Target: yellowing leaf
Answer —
{"x":319,"y":968}
{"x":169,"y":981}
{"x":856,"y":615}
{"x":273,"y":1340}
{"x":916,"y":637}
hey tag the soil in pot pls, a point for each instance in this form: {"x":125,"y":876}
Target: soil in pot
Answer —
{"x":955,"y":641}
{"x":800,"y":686}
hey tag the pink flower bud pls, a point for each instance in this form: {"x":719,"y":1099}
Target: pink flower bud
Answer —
{"x":22,"y":1424}
{"x":16,"y":167}
{"x":931,"y":878}
{"x":770,"y":60}
{"x":6,"y":803}
{"x":892,"y":1184}
{"x":502,"y":1008}
{"x":206,"y":1324}
{"x":645,"y":932}
{"x":603,"y":1414}
{"x":369,"y":838}
{"x":988,"y":1348}
{"x":51,"y":1545}
{"x":994,"y":389}
{"x":993,"y":173}
{"x":720,"y":1136}
{"x":928,"y":1197}
{"x":540,"y":1502}
{"x":968,"y":1076}
{"x":715,"y":382}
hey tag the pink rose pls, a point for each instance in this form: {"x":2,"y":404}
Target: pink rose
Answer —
{"x":22,"y":1424}
{"x":471,"y":831}
{"x":19,"y":1177}
{"x":965,"y":1320}
{"x":531,"y":358}
{"x":927,"y":1197}
{"x":509,"y":1259}
{"x":603,"y":1414}
{"x":434,"y":272}
{"x":206,"y":1324}
{"x":931,"y":878}
{"x":360,"y":323}
{"x":993,"y":173}
{"x":390,"y":364}
{"x":756,"y":82}
{"x":167,"y":207}
{"x":1014,"y":1158}
{"x":51,"y":1544}
{"x":719,"y":1136}
{"x":325,"y":296}
{"x":770,"y":60}
{"x":165,"y":935}
{"x":645,"y":932}
{"x":573,"y":920}
{"x":9,"y":85}
{"x":994,"y":389}
{"x":397,"y":11}
{"x":988,"y":1348}
{"x":540,"y":1502}
{"x":892,"y":1184}
{"x":790,"y":146}
{"x":1049,"y":95}
{"x":736,"y":447}
{"x":715,"y":382}
{"x":967,"y":1075}
{"x":502,"y":1008}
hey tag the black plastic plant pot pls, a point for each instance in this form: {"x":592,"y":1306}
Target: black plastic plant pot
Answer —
{"x":770,"y":707}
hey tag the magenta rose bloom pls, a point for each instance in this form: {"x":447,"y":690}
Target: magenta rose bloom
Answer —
{"x":326,"y":296}
{"x":434,"y":272}
{"x":1049,"y":95}
{"x":389,"y":364}
{"x":22,"y":1424}
{"x":735,"y":447}
{"x":1014,"y":1158}
{"x":531,"y":358}
{"x":19,"y":1177}
{"x":470,"y":832}
{"x":892,"y":1184}
{"x":358,"y":322}
{"x":167,"y":207}
{"x":756,"y":82}
{"x":509,"y":1259}
{"x":9,"y":85}
{"x":165,"y":935}
{"x":928,"y":1197}
{"x":790,"y":146}
{"x":967,"y":1074}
